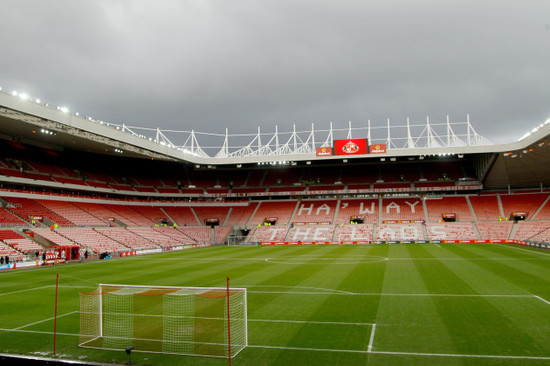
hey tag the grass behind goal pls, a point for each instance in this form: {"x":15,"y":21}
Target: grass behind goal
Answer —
{"x":418,"y":304}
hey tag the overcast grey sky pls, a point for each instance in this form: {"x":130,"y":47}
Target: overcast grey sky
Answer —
{"x":207,"y":65}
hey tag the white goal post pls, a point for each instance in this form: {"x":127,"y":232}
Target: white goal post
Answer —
{"x":197,"y":321}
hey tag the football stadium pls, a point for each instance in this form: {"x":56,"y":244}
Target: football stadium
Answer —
{"x":416,"y":243}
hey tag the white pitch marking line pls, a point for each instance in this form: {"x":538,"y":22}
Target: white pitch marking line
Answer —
{"x":336,"y":350}
{"x":45,"y":320}
{"x":29,"y":289}
{"x":437,"y":245}
{"x":306,"y":322}
{"x":455,"y":355}
{"x":371,"y":340}
{"x":541,"y":299}
{"x":525,"y":250}
{"x":385,"y":294}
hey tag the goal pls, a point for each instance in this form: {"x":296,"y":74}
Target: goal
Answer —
{"x":198,"y":321}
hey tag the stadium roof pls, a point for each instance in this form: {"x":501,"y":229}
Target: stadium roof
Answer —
{"x":524,"y":163}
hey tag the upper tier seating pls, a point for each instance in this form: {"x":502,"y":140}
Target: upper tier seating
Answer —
{"x":448,"y":205}
{"x":528,"y":203}
{"x":239,"y":215}
{"x":366,"y":208}
{"x":202,"y":235}
{"x":402,"y":209}
{"x":28,"y":208}
{"x":281,"y":209}
{"x":72,"y":213}
{"x":130,"y":216}
{"x":8,"y":218}
{"x":182,"y":215}
{"x":212,"y":212}
{"x":315,"y":211}
{"x":485,"y":207}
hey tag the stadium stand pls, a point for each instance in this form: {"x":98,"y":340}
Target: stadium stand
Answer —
{"x":438,"y":206}
{"x":182,"y":215}
{"x":399,"y":209}
{"x":268,"y":234}
{"x":310,"y":233}
{"x":239,"y":215}
{"x":309,"y":211}
{"x":71,"y":212}
{"x":92,"y":239}
{"x":494,"y":230}
{"x":211,"y":212}
{"x":528,"y":203}
{"x":282,"y":210}
{"x":29,"y":209}
{"x":451,"y":231}
{"x":366,"y":209}
{"x":8,"y":218}
{"x":486,"y":207}
{"x":351,"y":233}
{"x":389,"y":232}
{"x":526,"y":230}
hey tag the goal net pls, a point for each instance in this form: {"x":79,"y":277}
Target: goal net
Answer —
{"x":173,"y":320}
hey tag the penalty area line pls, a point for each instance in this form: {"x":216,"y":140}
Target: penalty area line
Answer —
{"x":371,"y":339}
{"x":541,"y":299}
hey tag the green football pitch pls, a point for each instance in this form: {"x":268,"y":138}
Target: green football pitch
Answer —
{"x":398,"y":304}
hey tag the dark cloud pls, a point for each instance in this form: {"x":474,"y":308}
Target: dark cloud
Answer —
{"x":208,"y":65}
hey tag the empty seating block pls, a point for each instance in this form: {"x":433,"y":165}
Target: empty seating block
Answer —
{"x":128,"y":237}
{"x":402,"y":209}
{"x":24,"y":245}
{"x":525,"y":230}
{"x":92,"y":239}
{"x":202,"y":235}
{"x":494,"y":230}
{"x":352,"y":233}
{"x":367,"y":209}
{"x":182,"y":215}
{"x":486,"y":207}
{"x":239,"y":215}
{"x":268,"y":234}
{"x":211,"y":212}
{"x":449,"y":205}
{"x":528,"y":203}
{"x":282,"y":210}
{"x":130,"y":216}
{"x":28,"y":208}
{"x":315,"y":212}
{"x":451,"y":231}
{"x":388,"y":232}
{"x":72,"y":213}
{"x":177,"y":237}
{"x":220,"y":233}
{"x":310,"y":233}
{"x":8,"y":218}
{"x":53,"y":237}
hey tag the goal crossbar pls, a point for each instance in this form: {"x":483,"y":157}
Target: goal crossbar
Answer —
{"x":165,"y":319}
